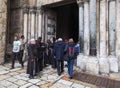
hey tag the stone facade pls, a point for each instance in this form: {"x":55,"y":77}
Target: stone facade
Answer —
{"x":106,"y":38}
{"x":3,"y":26}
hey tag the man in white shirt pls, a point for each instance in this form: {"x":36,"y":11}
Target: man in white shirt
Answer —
{"x":16,"y":50}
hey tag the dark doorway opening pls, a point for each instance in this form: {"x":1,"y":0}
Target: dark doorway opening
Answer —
{"x":67,"y":21}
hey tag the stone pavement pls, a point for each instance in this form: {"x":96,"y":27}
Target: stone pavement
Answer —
{"x":48,"y":78}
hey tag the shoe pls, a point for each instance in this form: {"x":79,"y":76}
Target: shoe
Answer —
{"x":62,"y":71}
{"x":31,"y":77}
{"x":59,"y":74}
{"x":12,"y":68}
{"x":70,"y":77}
{"x":22,"y":66}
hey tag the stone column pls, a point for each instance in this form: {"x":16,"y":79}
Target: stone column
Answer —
{"x":93,"y":27}
{"x":3,"y":26}
{"x":112,"y":26}
{"x":118,"y":28}
{"x":81,"y":25}
{"x":103,"y":45}
{"x":39,"y":24}
{"x":32,"y":24}
{"x":36,"y":24}
{"x":25,"y":30}
{"x":29,"y":25}
{"x":86,"y":27}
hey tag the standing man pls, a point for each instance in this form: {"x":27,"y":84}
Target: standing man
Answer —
{"x":16,"y":51}
{"x":32,"y":59}
{"x":22,"y":48}
{"x":59,"y":53}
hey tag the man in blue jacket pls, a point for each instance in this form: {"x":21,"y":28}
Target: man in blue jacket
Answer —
{"x":59,"y":50}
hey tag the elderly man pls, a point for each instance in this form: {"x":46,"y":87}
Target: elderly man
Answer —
{"x":59,"y":50}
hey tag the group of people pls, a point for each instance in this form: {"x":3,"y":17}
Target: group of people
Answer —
{"x":54,"y":52}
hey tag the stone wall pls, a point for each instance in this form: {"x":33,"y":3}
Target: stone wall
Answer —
{"x":43,"y":2}
{"x":3,"y":18}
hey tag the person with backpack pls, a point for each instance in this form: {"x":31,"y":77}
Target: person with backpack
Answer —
{"x":71,"y":56}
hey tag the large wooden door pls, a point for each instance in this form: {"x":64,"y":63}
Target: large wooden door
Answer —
{"x":50,"y":24}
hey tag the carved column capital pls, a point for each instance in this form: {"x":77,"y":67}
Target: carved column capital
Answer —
{"x":80,"y":2}
{"x":110,"y":0}
{"x":25,"y":10}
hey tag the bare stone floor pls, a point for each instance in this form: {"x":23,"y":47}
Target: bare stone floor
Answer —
{"x":48,"y":78}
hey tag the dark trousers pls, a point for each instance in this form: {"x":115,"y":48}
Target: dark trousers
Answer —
{"x":16,"y":56}
{"x":21,"y":56}
{"x":60,"y":66}
{"x":70,"y":67}
{"x":54,"y":63}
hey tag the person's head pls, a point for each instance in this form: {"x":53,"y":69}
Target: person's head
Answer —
{"x":66,"y":41}
{"x":60,"y":39}
{"x":40,"y":39}
{"x":22,"y":37}
{"x":71,"y":40}
{"x":15,"y":37}
{"x":32,"y":41}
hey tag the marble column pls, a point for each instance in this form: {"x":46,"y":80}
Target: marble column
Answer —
{"x":29,"y":25}
{"x":36,"y":25}
{"x":32,"y":24}
{"x":39,"y":24}
{"x":86,"y":27}
{"x":25,"y":25}
{"x":118,"y":28}
{"x":81,"y":25}
{"x":92,"y":27}
{"x":112,"y":27}
{"x":103,"y":37}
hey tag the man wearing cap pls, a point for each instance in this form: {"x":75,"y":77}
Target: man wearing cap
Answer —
{"x":59,"y":53}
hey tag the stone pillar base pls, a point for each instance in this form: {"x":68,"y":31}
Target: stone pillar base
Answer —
{"x":94,"y":65}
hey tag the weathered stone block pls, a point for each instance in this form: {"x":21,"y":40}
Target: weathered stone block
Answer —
{"x":81,"y":62}
{"x":104,"y":65}
{"x":113,"y":64}
{"x":92,"y":65}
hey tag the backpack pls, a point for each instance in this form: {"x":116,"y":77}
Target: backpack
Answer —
{"x":71,"y":52}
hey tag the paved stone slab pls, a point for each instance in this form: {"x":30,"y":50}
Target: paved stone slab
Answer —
{"x":44,"y":78}
{"x":13,"y":73}
{"x":16,"y":69}
{"x":75,"y":85}
{"x":2,"y":77}
{"x":47,"y":85}
{"x":13,"y":86}
{"x":68,"y":83}
{"x":34,"y":81}
{"x":3,"y":72}
{"x":59,"y":85}
{"x":51,"y":77}
{"x":20,"y":82}
{"x":26,"y":85}
{"x":5,"y":83}
{"x":41,"y":83}
{"x":11,"y":79}
{"x":34,"y":86}
{"x":24,"y":74}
